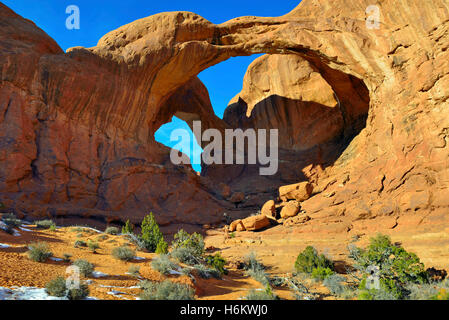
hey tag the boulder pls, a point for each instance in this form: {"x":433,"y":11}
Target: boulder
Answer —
{"x":291,"y":209}
{"x":255,"y":223}
{"x":235,"y":224}
{"x":269,"y":209}
{"x":298,"y":191}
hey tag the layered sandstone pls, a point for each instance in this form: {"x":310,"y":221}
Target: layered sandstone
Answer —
{"x":77,"y":128}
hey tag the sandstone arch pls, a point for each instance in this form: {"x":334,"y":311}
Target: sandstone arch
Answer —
{"x":77,"y":129}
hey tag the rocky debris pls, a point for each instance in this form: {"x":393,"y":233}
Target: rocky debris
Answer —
{"x":299,"y":191}
{"x":291,"y":209}
{"x":236,"y":225}
{"x":269,"y":209}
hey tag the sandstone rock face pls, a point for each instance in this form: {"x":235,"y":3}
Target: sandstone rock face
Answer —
{"x":362,"y":114}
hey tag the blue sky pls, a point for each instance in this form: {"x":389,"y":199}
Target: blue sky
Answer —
{"x":98,"y":17}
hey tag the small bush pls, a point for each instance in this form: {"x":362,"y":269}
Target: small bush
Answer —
{"x":150,"y":235}
{"x":261,"y":295}
{"x":112,"y":231}
{"x":166,"y":290}
{"x":128,"y":228}
{"x":162,"y":247}
{"x":194,"y":242}
{"x":39,"y":252}
{"x":308,"y":260}
{"x":255,"y":269}
{"x":66,"y":257}
{"x":45,"y":224}
{"x":80,"y":244}
{"x":11,"y":220}
{"x":86,"y":268}
{"x":78,"y":293}
{"x":123,"y":253}
{"x":207,"y":273}
{"x":102,"y":237}
{"x":93,"y":246}
{"x":134,"y":271}
{"x":217,"y":262}
{"x":396,"y":269}
{"x":185,"y":255}
{"x":334,"y":284}
{"x":163,"y":264}
{"x":56,"y":287}
{"x":321,"y":273}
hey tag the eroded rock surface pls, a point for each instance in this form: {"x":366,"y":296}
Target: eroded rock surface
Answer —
{"x":77,"y":128}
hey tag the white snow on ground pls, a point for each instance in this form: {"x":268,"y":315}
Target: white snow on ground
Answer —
{"x":25,"y":293}
{"x":116,"y":287}
{"x":175,"y":272}
{"x":98,"y":274}
{"x":16,"y":233}
{"x":3,"y":246}
{"x":139,"y":258}
{"x":29,"y":293}
{"x":25,"y":229}
{"x":3,"y":226}
{"x":55,"y":259}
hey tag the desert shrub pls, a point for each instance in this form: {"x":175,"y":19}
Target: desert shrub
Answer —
{"x":80,"y":244}
{"x":395,"y":269}
{"x":443,"y":294}
{"x":266,"y":294}
{"x":185,"y":255}
{"x":194,"y":242}
{"x":255,"y":269}
{"x":321,"y":273}
{"x":123,"y":253}
{"x":112,"y":231}
{"x":217,"y":262}
{"x":86,"y":268}
{"x":78,"y":293}
{"x":102,"y":237}
{"x":39,"y":252}
{"x":45,"y":224}
{"x":151,"y":234}
{"x":134,"y":271}
{"x":11,"y":220}
{"x":207,"y":273}
{"x":334,"y":283}
{"x":56,"y":287}
{"x":93,"y":246}
{"x":309,"y":259}
{"x":163,"y":264}
{"x":128,"y":228}
{"x":162,"y":247}
{"x":426,"y":291}
{"x":166,"y":290}
{"x":139,"y":243}
{"x":66,"y":257}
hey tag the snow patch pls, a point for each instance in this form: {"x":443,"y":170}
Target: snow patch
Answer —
{"x":98,"y":274}
{"x":3,"y":246}
{"x":55,"y":259}
{"x":25,"y":293}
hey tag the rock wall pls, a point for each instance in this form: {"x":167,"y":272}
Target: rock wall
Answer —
{"x":77,"y":128}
